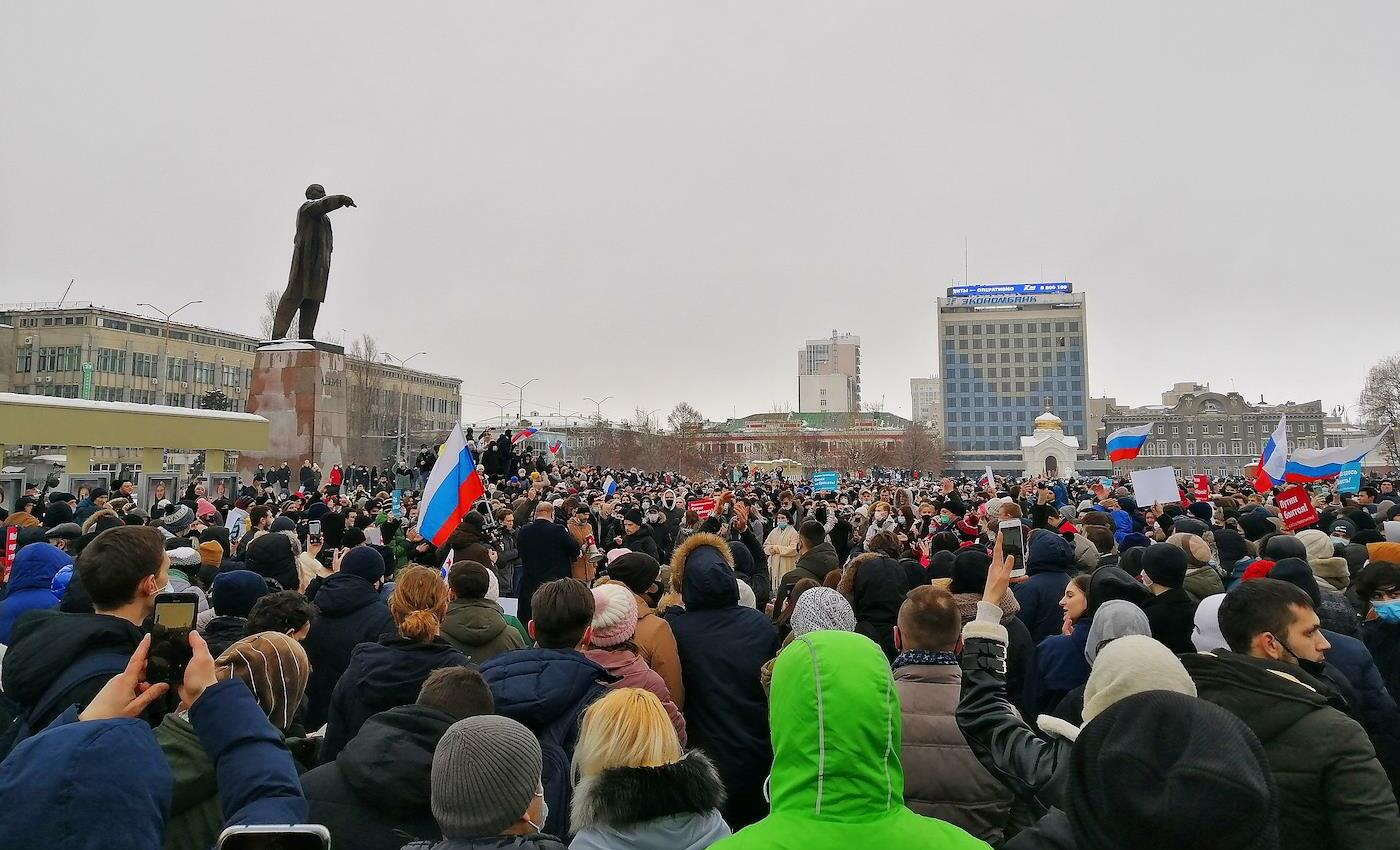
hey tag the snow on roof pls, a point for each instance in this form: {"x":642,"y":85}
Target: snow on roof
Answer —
{"x":125,"y":407}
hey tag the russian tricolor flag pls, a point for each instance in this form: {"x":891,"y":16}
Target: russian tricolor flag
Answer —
{"x":1126,"y":443}
{"x":1273,"y":459}
{"x":454,"y":486}
{"x":1306,"y":465}
{"x":555,"y":446}
{"x":523,"y":434}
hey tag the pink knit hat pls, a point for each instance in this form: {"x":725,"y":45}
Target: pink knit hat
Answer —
{"x":614,"y":614}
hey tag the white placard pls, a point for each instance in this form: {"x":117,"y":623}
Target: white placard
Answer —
{"x":1155,"y":485}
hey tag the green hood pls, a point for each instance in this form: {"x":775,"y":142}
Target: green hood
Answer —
{"x":835,"y":725}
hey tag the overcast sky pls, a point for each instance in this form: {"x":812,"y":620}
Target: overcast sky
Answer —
{"x":660,"y":202}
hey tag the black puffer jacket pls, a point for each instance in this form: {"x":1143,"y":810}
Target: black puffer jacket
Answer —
{"x":1333,"y":791}
{"x":273,"y":556}
{"x":379,"y":788}
{"x":876,"y":586}
{"x":722,"y":648}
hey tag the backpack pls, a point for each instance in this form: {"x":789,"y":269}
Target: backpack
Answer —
{"x":99,"y":665}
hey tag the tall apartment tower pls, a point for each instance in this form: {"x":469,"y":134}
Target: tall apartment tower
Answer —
{"x":828,"y":375}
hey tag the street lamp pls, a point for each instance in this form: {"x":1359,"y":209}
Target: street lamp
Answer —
{"x":502,"y":409}
{"x":520,"y":412}
{"x":163,"y":371}
{"x":598,"y":405}
{"x":401,"y":442}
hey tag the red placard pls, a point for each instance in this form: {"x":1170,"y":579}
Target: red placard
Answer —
{"x":1201,"y":488}
{"x":702,"y":507}
{"x":1297,"y":509}
{"x":8,"y":550}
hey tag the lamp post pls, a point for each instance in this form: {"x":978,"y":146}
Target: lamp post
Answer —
{"x":597,"y":405}
{"x":520,"y":412}
{"x":163,"y":371}
{"x":502,"y":409}
{"x":401,"y":442}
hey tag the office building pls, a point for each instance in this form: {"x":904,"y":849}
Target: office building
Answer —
{"x":828,"y":375}
{"x":926,"y":399}
{"x":85,"y":351}
{"x":1009,"y":353}
{"x":1208,"y":433}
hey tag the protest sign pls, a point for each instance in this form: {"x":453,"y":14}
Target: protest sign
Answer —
{"x":1349,"y":481}
{"x":1297,"y":509}
{"x":824,"y":482}
{"x":702,"y":507}
{"x":1155,"y":485}
{"x":1201,"y":487}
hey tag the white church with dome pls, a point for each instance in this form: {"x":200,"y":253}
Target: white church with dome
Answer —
{"x":1048,"y":451}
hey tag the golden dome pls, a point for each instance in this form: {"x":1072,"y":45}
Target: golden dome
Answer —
{"x":1048,"y":421}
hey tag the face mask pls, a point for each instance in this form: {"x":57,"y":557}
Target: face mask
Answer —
{"x":782,"y":523}
{"x":646,"y":506}
{"x":668,"y":502}
{"x":1313,"y":668}
{"x":544,"y":813}
{"x":881,"y":516}
{"x":1387,"y":611}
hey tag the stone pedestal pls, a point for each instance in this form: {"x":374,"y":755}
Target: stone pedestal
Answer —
{"x":299,"y":387}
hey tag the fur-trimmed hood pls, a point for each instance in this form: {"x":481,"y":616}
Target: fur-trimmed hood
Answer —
{"x":624,"y":796}
{"x":702,"y":573}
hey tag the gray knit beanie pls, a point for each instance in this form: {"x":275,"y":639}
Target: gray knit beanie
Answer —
{"x":486,"y":770}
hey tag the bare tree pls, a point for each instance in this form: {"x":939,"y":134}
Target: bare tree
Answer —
{"x":1380,"y":405}
{"x":368,"y":414}
{"x":269,"y":314}
{"x":919,"y":448}
{"x":685,"y":417}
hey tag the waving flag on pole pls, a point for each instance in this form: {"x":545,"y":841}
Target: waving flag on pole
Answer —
{"x":609,"y":487}
{"x":1126,"y":443}
{"x":522,"y":435}
{"x":1272,"y":460}
{"x":989,"y":480}
{"x":454,"y":486}
{"x":1306,"y":465}
{"x":555,"y":446}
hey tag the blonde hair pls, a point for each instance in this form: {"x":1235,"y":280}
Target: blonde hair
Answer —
{"x":418,"y":603}
{"x":628,"y":727}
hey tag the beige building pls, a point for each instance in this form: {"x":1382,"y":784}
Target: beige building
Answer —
{"x":828,"y":375}
{"x":87,"y":352}
{"x":927,"y":398}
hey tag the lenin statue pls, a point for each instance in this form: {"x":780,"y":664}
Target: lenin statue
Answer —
{"x":311,"y":263}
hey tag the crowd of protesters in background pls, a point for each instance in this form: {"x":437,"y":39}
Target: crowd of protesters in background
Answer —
{"x":611,"y":658}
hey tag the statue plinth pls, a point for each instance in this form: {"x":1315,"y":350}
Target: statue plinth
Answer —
{"x":299,"y":387}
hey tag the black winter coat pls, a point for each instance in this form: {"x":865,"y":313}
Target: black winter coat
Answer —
{"x":643,"y":541}
{"x":1172,"y":616}
{"x":1332,"y":791}
{"x":814,"y":564}
{"x":877,"y":592}
{"x":350,"y":613}
{"x":44,"y":643}
{"x":223,"y":632}
{"x":382,"y":676}
{"x":379,"y":787}
{"x":546,"y":690}
{"x":750,"y":573}
{"x":722,"y":648}
{"x":547,"y":552}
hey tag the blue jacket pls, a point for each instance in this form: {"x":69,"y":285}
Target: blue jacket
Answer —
{"x":381,"y":676}
{"x":1057,"y":667}
{"x":1049,"y":559}
{"x":1353,"y":660}
{"x":31,"y":583}
{"x":722,"y":648}
{"x":75,"y":777}
{"x":351,"y":613}
{"x":546,"y":690}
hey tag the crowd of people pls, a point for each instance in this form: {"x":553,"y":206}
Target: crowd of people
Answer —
{"x":607,"y":659}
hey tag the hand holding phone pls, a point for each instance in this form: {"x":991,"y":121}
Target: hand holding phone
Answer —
{"x":1009,"y":532}
{"x":171,"y":626}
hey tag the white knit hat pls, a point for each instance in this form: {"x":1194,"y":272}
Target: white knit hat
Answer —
{"x":1131,"y":665}
{"x":614,"y":614}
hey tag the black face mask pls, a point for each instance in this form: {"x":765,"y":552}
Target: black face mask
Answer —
{"x":1312,"y":668}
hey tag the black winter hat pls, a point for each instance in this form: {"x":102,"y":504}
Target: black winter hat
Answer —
{"x":637,"y":570}
{"x":1255,"y":525}
{"x":1296,"y":572}
{"x":57,"y":513}
{"x":1165,"y":564}
{"x":1282,"y":546}
{"x":633,"y":516}
{"x":970,"y":567}
{"x":1109,"y":583}
{"x":1189,"y":525}
{"x":1203,"y":511}
{"x":1162,"y":771}
{"x":1230,"y":545}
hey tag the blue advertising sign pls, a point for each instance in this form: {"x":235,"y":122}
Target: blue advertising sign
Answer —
{"x":824,"y":482}
{"x":1349,"y":481}
{"x":1061,"y":288}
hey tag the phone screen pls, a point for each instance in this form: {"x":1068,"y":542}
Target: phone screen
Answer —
{"x":313,"y":527}
{"x":259,"y":837}
{"x":176,"y":615}
{"x":170,"y":637}
{"x":1013,"y":544}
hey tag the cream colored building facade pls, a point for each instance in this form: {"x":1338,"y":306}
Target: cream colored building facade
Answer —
{"x":88,"y":352}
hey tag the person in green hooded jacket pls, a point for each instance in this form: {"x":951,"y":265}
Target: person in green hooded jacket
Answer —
{"x":836,"y":780}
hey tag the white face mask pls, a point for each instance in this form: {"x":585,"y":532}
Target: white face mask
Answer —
{"x":544,"y":813}
{"x":881,"y":516}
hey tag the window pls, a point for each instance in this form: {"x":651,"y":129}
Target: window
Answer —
{"x":1190,"y":447}
{"x":108,"y":394}
{"x":63,"y":358}
{"x":1235,"y":447}
{"x":25,"y":361}
{"x":175,"y":369}
{"x":1161,"y":447}
{"x":143,"y":366}
{"x":203,"y":372}
{"x":111,"y":360}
